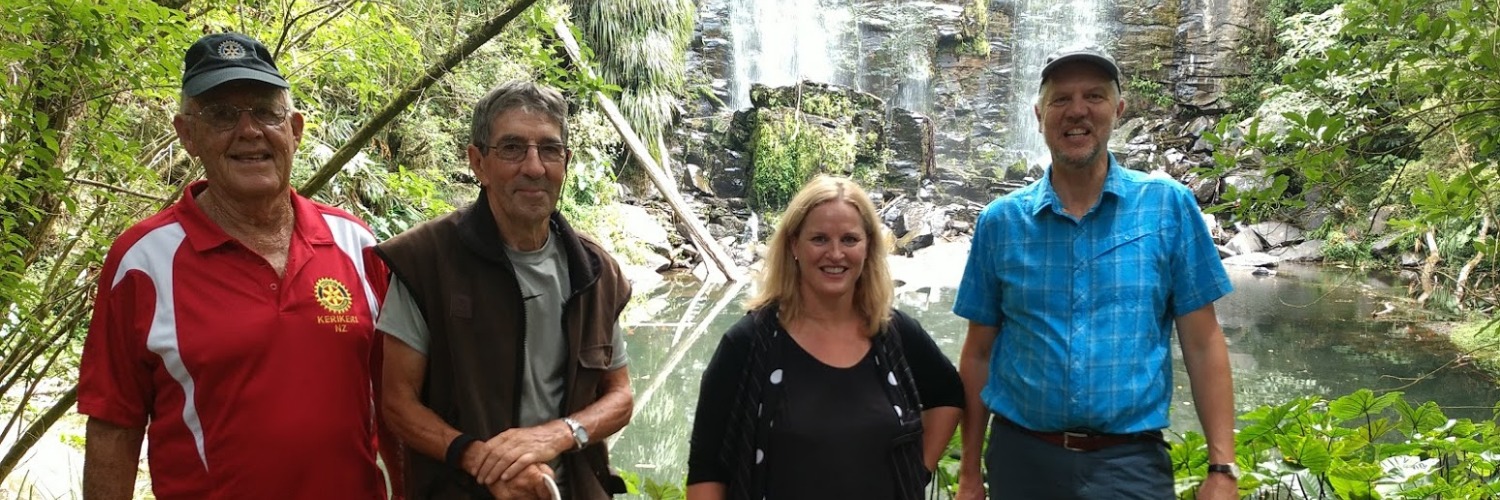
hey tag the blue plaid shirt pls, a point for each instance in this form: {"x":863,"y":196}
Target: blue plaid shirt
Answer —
{"x":1085,"y":307}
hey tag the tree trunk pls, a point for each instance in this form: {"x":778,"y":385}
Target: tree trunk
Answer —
{"x":39,"y":168}
{"x":34,"y":432}
{"x":1429,"y":269}
{"x":642,"y":154}
{"x":1460,"y":287}
{"x":478,"y":37}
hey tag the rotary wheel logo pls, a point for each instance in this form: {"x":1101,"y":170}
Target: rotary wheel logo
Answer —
{"x":332,"y":295}
{"x":231,"y":50}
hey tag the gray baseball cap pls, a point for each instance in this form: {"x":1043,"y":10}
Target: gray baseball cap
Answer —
{"x":224,"y":57}
{"x":1092,"y":54}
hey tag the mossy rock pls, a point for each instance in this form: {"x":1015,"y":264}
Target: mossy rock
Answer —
{"x":974,"y":26}
{"x":804,"y":129}
{"x":788,"y":149}
{"x":830,"y":101}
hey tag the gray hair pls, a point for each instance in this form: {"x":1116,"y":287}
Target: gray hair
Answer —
{"x":517,"y":94}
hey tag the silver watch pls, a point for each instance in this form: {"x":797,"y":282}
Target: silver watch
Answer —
{"x":580,"y":435}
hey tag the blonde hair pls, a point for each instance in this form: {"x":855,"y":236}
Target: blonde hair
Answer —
{"x":873,"y":291}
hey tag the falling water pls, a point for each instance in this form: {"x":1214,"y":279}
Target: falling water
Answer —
{"x":912,"y":58}
{"x":1041,"y":27}
{"x":781,"y":42}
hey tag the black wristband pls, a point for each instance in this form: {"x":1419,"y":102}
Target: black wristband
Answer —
{"x":455,"y":456}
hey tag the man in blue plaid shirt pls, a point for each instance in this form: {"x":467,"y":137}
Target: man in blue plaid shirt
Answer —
{"x":1072,"y":289}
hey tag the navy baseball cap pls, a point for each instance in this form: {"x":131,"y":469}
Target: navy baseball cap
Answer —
{"x":224,"y":57}
{"x":1092,"y":54}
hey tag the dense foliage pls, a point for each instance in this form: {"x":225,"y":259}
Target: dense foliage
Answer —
{"x":642,"y":49}
{"x":1385,"y":111}
{"x":1356,"y":446}
{"x":1359,"y":446}
{"x":87,"y":148}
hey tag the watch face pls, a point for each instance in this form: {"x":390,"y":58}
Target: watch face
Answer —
{"x":580,"y":434}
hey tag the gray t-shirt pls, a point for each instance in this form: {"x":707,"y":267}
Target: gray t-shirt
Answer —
{"x":543,"y":276}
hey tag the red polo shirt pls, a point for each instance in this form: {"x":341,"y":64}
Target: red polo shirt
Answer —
{"x":253,"y":385}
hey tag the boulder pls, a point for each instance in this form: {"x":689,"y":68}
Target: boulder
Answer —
{"x":1314,"y":217}
{"x":1215,"y":230}
{"x":1277,"y":234}
{"x":1205,"y":190}
{"x":1385,"y":245}
{"x":1410,"y":259}
{"x":638,"y":224}
{"x":1307,"y":251}
{"x":1245,"y":242}
{"x":1249,"y":180}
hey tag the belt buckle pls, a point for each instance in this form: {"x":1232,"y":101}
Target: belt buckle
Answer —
{"x":1066,"y":436}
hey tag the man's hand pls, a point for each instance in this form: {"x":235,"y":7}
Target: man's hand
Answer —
{"x":527,"y":484}
{"x":505,"y":456}
{"x":970,"y":487}
{"x":1218,"y":486}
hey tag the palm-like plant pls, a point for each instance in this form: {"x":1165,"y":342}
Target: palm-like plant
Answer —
{"x":639,"y":46}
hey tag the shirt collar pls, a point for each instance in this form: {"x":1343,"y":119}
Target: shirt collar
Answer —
{"x":1044,"y":196}
{"x":204,"y":235}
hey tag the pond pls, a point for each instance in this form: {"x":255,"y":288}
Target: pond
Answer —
{"x":1304,"y":331}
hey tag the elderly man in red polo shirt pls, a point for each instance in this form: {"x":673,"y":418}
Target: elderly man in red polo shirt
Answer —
{"x":235,"y":327}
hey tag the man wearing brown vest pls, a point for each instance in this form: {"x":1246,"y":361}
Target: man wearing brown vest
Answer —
{"x":504,"y":366}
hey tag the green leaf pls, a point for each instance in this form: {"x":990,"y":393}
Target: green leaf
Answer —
{"x":1307,"y":451}
{"x":1360,"y":403}
{"x":1354,"y":481}
{"x":1421,"y":418}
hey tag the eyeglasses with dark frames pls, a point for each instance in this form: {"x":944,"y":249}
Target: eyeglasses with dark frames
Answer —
{"x":223,"y":117}
{"x":515,"y":151}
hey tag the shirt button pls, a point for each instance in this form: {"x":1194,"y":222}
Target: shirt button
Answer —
{"x":273,"y":286}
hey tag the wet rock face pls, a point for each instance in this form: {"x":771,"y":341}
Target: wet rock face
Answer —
{"x":957,"y":142}
{"x":1190,"y":48}
{"x":912,"y":157}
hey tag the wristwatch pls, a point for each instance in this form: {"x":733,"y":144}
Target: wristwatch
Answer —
{"x":1233,"y":470}
{"x":580,"y":435}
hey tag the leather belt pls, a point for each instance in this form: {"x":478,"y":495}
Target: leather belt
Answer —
{"x":1084,"y":441}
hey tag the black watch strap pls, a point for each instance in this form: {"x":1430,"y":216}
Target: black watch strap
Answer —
{"x":1221,"y":468}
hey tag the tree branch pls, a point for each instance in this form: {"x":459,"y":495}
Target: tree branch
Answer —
{"x":476,"y":38}
{"x":308,"y":34}
{"x":118,"y":189}
{"x":1429,"y":282}
{"x":1463,"y":274}
{"x":34,"y":432}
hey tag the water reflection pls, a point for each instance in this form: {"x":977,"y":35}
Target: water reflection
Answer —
{"x":1305,"y":331}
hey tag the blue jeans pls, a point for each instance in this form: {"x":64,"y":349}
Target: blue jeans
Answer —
{"x":1021,"y":466}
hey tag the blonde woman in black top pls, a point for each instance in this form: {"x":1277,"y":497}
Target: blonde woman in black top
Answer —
{"x":823,"y":390}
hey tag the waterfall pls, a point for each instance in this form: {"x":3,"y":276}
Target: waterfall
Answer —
{"x":781,"y":42}
{"x":910,"y":48}
{"x":1041,"y":27}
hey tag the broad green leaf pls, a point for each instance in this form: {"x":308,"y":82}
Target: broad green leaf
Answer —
{"x":1354,"y":481}
{"x":1360,"y":403}
{"x":1420,"y":419}
{"x":1307,"y":451}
